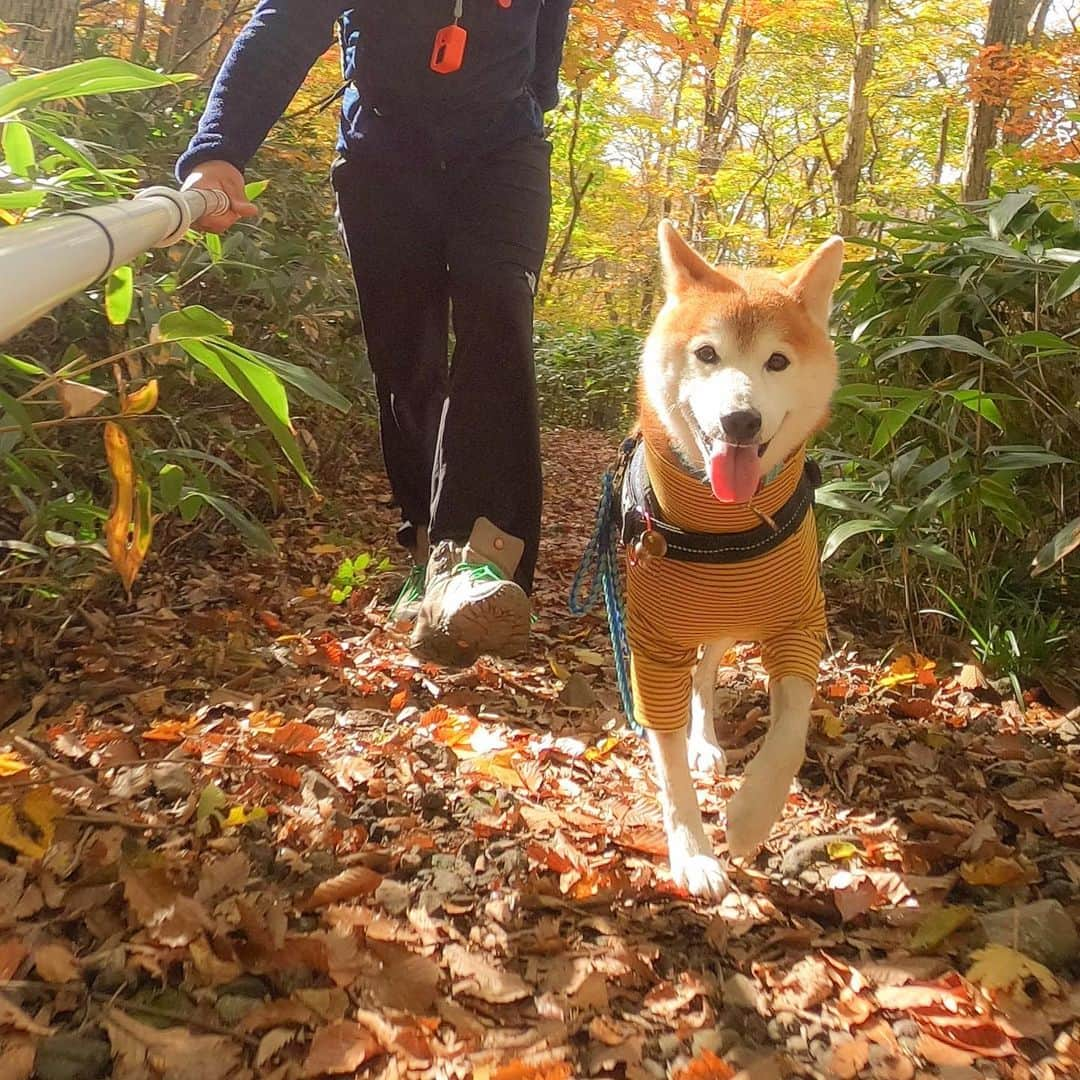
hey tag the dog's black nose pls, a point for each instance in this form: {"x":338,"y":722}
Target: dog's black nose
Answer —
{"x":742,"y":426}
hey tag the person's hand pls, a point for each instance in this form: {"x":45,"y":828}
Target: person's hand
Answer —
{"x":221,"y":176}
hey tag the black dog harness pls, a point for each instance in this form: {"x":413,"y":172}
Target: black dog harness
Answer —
{"x":647,"y":535}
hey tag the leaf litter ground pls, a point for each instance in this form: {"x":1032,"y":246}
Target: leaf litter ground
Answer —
{"x":244,"y":833}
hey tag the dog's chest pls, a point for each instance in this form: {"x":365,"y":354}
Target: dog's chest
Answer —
{"x":696,"y":602}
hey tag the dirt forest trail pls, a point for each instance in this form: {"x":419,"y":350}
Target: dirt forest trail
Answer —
{"x":244,"y":833}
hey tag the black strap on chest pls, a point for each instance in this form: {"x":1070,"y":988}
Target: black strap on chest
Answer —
{"x":641,"y":514}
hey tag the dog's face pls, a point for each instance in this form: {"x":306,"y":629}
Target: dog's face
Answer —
{"x":739,"y":366}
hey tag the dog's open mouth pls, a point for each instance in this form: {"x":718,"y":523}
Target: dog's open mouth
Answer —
{"x":733,"y":469}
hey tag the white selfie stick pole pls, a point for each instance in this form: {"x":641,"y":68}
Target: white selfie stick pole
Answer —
{"x":46,"y":262}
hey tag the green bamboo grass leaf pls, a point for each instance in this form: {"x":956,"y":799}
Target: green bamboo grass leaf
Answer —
{"x":1064,"y":541}
{"x":948,"y":342}
{"x":848,"y":529}
{"x":252,"y":532}
{"x":119,"y":295}
{"x":979,"y":403}
{"x":259,"y":387}
{"x":102,"y":75}
{"x":1067,"y":283}
{"x":18,"y":148}
{"x":193,"y":322}
{"x":303,"y":379}
{"x":1011,"y":205}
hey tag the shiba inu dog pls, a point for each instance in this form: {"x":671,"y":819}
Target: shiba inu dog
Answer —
{"x":736,"y":375}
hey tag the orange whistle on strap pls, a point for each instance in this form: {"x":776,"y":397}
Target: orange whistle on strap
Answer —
{"x":449,"y":49}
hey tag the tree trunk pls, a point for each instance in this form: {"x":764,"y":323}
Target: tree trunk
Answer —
{"x":578,"y":188}
{"x":199,"y":24}
{"x":44,"y":30}
{"x":943,"y":148}
{"x":138,"y":34}
{"x":720,"y":118}
{"x":1006,"y":25}
{"x":170,"y":22}
{"x":849,"y":165}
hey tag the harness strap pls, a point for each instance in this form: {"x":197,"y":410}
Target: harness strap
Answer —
{"x":642,"y":514}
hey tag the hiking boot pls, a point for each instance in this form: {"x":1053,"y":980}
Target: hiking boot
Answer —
{"x":407,"y":605}
{"x":471,"y":603}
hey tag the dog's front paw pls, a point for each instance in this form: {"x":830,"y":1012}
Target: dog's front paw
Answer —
{"x":706,"y":757}
{"x":701,"y":875}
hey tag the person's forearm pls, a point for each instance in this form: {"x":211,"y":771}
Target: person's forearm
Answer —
{"x":263,"y":70}
{"x":550,"y":37}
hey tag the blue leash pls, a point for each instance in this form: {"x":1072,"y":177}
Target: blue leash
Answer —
{"x":600,"y":568}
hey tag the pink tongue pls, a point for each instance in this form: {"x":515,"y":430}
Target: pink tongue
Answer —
{"x":735,"y":472}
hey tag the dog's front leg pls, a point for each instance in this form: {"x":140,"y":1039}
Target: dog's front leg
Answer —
{"x":693,"y":865}
{"x":767,"y":781}
{"x":706,"y":753}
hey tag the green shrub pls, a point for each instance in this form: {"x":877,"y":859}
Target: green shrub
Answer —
{"x":158,"y":373}
{"x":956,"y":430}
{"x":587,"y":378}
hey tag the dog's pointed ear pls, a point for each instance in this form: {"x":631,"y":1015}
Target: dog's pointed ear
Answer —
{"x":812,"y":282}
{"x":683,"y":266}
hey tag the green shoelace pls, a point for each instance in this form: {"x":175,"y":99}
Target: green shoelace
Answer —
{"x":480,"y":571}
{"x":412,"y":590}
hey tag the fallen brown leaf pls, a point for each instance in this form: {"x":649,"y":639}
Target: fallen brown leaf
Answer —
{"x":56,"y":963}
{"x":848,"y":1059}
{"x":339,"y":1048}
{"x":478,"y":977}
{"x":141,"y":1051}
{"x":348,"y":885}
{"x":12,"y":954}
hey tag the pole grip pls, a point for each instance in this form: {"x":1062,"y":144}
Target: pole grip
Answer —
{"x":190,"y":205}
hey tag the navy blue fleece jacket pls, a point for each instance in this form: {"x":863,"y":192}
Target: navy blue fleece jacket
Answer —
{"x":508,"y":79}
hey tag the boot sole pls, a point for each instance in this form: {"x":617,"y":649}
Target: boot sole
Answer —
{"x":498,"y":624}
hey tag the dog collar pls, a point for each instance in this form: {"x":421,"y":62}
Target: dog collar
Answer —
{"x":647,"y":535}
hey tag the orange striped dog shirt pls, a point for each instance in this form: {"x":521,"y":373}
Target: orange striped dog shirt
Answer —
{"x":674,"y":607}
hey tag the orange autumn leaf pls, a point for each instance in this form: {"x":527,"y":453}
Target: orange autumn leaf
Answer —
{"x":295,"y":738}
{"x":130,"y":526}
{"x":56,"y":963}
{"x":272,"y":622}
{"x":143,"y":400}
{"x":168,"y":731}
{"x":520,"y":1070}
{"x":602,"y":749}
{"x":916,"y":669}
{"x":340,"y":1048}
{"x":331,"y":649}
{"x":284,"y":774}
{"x":500,"y":767}
{"x":707,"y":1066}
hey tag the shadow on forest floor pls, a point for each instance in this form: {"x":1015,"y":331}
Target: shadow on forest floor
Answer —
{"x":244,"y":832}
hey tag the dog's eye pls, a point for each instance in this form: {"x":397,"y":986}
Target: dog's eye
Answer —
{"x":706,"y":354}
{"x":777,"y":362}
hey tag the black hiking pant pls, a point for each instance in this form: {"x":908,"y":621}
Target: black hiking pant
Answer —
{"x":436,"y":243}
